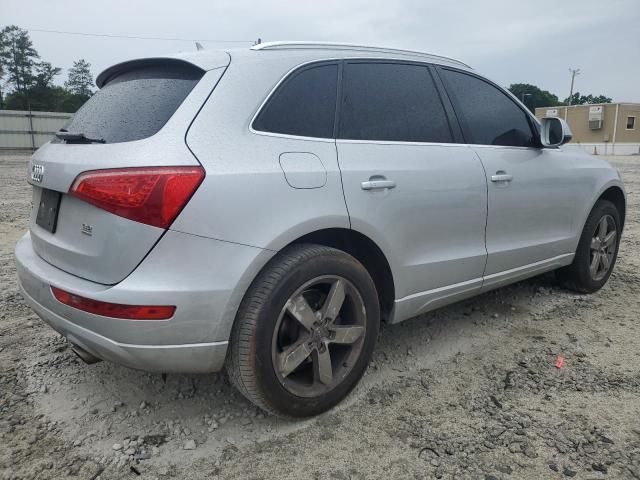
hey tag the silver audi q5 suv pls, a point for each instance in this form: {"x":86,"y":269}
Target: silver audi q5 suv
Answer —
{"x":265,"y":209}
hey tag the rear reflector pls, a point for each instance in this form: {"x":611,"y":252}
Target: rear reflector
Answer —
{"x":151,"y":195}
{"x":114,"y":310}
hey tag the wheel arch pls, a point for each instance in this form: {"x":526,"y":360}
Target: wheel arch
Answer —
{"x":367,"y":252}
{"x":356,"y":244}
{"x":615,"y":195}
{"x":613,"y":191}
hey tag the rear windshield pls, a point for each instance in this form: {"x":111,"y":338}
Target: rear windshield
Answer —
{"x":135,"y":104}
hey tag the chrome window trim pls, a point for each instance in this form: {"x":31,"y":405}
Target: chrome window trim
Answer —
{"x":270,"y":94}
{"x":523,"y":108}
{"x":482,"y":145}
{"x":289,"y":136}
{"x":323,"y":139}
{"x":437,"y":144}
{"x":400,"y":142}
{"x":376,"y":142}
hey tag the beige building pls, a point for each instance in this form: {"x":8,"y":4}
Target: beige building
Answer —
{"x":605,"y":129}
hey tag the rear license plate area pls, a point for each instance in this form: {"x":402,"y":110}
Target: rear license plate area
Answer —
{"x":47,"y":217}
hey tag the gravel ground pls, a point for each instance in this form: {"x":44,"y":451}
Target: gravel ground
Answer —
{"x":469,"y":391}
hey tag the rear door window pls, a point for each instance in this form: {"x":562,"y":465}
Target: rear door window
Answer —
{"x":135,"y":104}
{"x":393,"y":102}
{"x":304,"y":105}
{"x":488,"y":115}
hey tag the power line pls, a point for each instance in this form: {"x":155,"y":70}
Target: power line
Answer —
{"x":134,"y":37}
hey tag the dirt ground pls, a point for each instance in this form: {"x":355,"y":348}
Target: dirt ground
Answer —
{"x":469,"y":391}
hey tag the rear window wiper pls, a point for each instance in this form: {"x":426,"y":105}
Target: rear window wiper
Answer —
{"x":73,"y":137}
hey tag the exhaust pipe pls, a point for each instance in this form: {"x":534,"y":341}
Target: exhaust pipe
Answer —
{"x":85,"y":356}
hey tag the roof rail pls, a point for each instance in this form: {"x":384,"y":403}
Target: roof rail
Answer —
{"x":347,"y":46}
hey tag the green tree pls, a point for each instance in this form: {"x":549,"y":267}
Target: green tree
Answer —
{"x":532,"y":96}
{"x":577,"y":99}
{"x":19,"y":58}
{"x":600,"y":99}
{"x":4,"y":52}
{"x":43,"y":98}
{"x":30,"y":80}
{"x":41,"y":94}
{"x":45,"y":72}
{"x":80,"y":81}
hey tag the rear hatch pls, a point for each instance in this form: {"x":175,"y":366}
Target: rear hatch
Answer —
{"x":104,"y":195}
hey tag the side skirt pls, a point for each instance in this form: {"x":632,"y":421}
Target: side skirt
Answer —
{"x":422,"y":302}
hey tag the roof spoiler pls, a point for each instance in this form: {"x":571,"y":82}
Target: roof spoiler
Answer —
{"x":119,"y":68}
{"x":203,"y":60}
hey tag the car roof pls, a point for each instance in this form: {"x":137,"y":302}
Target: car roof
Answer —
{"x":300,"y":51}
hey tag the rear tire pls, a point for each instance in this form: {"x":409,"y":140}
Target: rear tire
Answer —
{"x":597,"y":251}
{"x":305,"y":331}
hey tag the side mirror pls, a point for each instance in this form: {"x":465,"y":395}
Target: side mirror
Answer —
{"x":554,"y":132}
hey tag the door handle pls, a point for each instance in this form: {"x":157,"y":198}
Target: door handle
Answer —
{"x":375,"y":184}
{"x":501,"y":176}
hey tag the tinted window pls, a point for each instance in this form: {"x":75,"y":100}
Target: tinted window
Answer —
{"x":490,"y":116}
{"x":135,"y":104}
{"x":304,"y":104}
{"x":389,"y":101}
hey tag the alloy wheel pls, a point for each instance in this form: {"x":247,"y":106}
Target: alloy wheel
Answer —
{"x":318,"y":336}
{"x":603,"y":247}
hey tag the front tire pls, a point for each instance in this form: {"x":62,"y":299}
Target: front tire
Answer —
{"x":305,"y":331}
{"x":597,"y":250}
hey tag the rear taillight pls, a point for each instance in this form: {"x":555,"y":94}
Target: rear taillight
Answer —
{"x":114,"y":310}
{"x":151,"y":195}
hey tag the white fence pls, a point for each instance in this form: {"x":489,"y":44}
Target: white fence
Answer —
{"x":606,"y":148}
{"x":22,"y":130}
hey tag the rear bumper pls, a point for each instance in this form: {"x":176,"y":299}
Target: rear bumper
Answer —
{"x":194,"y":358}
{"x":204,"y":278}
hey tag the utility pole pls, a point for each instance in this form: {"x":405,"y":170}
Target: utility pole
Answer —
{"x":574,"y":72}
